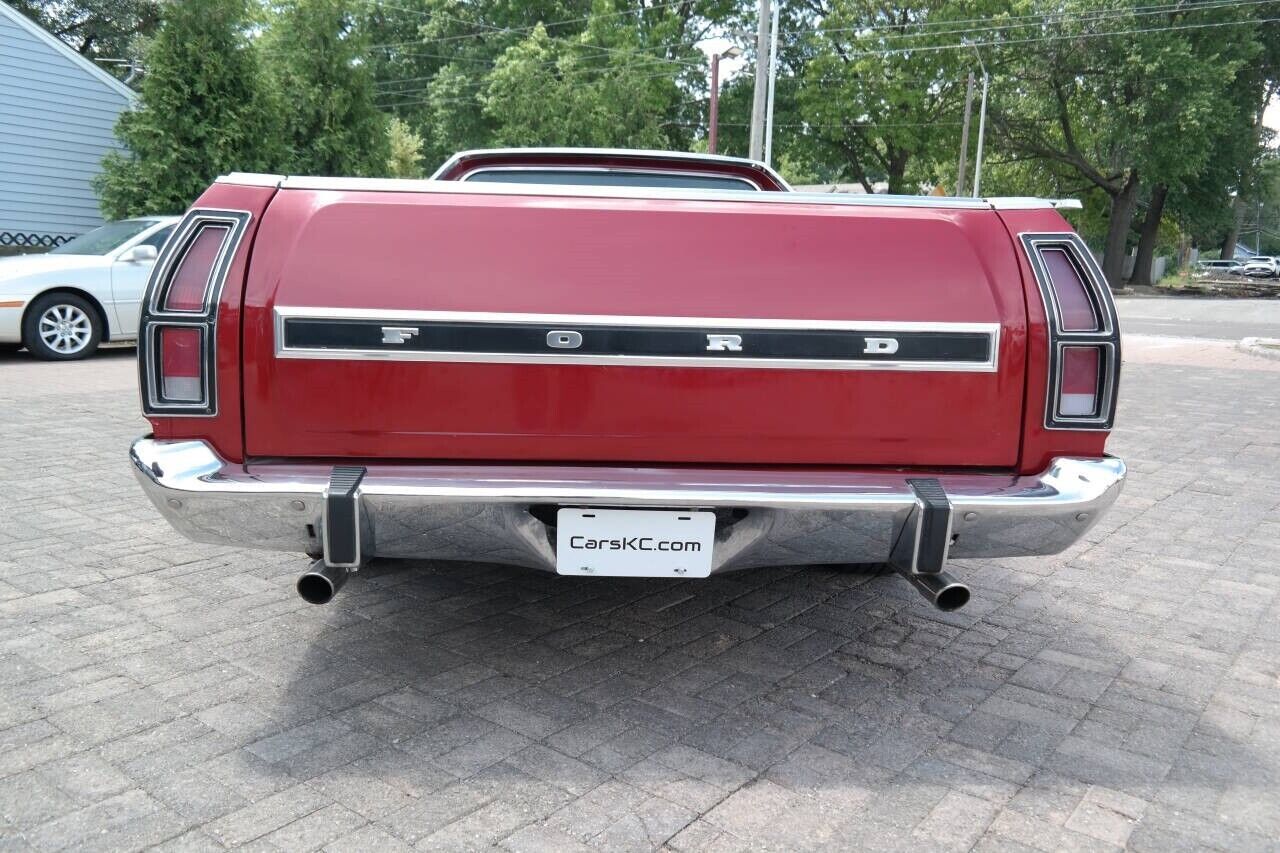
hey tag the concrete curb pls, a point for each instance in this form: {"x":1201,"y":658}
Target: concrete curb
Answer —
{"x":1265,"y":347}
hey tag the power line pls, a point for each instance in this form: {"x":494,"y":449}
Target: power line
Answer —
{"x":1031,"y":19}
{"x":564,"y":40}
{"x":1087,"y":17}
{"x":570,"y":72}
{"x":475,"y":90}
{"x":919,"y":80}
{"x":931,"y":48}
{"x":493,"y":30}
{"x":627,"y":12}
{"x":895,"y":51}
{"x":482,"y":83}
{"x":1013,"y":21}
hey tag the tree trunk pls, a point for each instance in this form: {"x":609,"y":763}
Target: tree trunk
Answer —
{"x":1147,"y":238}
{"x":1122,"y":206}
{"x":1233,"y":230}
{"x":897,"y":171}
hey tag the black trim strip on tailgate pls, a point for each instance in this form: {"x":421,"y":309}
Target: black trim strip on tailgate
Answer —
{"x":356,"y":334}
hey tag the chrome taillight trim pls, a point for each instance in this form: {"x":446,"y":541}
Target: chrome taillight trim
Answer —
{"x":1106,"y":337}
{"x":176,"y":248}
{"x":153,"y":393}
{"x":155,"y":316}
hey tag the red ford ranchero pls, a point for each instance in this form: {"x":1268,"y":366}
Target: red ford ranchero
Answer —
{"x":625,"y":363}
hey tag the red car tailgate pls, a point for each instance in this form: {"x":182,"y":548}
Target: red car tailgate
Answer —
{"x":398,"y":260}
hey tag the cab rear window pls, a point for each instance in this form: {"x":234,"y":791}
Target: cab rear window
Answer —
{"x":608,"y":178}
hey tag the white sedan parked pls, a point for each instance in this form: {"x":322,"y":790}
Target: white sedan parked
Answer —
{"x":63,"y":303}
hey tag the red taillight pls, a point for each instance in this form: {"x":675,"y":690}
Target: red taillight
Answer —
{"x":1083,"y":333}
{"x":179,"y":319}
{"x":1081,"y":374}
{"x":190,"y":280}
{"x":1074,"y":303}
{"x":181,"y":364}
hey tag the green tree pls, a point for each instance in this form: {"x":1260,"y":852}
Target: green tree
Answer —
{"x":404,"y":159}
{"x":1118,"y":111}
{"x":110,"y":29}
{"x":544,"y":93}
{"x":203,"y":112}
{"x":462,"y":83}
{"x":330,"y":121}
{"x":870,"y":102}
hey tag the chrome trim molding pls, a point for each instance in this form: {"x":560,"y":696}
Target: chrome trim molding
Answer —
{"x":482,"y":512}
{"x":154,"y":316}
{"x":572,"y":321}
{"x":587,"y":153}
{"x":1107,"y":336}
{"x":434,"y":185}
{"x":1019,"y":202}
{"x":175,"y":250}
{"x":406,"y":185}
{"x":480,"y":170}
{"x":250,"y":179}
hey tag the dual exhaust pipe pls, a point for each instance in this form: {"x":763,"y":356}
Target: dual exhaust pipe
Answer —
{"x":320,"y":583}
{"x":923,"y":543}
{"x":939,"y":588}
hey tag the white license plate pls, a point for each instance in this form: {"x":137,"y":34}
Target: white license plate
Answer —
{"x":634,"y":543}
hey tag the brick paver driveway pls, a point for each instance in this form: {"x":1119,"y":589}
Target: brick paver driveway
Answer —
{"x":153,"y":691}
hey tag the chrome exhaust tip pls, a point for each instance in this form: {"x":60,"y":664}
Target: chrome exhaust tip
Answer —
{"x":320,"y":583}
{"x":939,"y":588}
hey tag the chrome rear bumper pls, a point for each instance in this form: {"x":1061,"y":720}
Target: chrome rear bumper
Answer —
{"x":482,"y":512}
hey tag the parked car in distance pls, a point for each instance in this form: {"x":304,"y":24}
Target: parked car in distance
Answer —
{"x":62,"y":303}
{"x":1210,"y":268}
{"x":626,"y":364}
{"x":1261,"y":266}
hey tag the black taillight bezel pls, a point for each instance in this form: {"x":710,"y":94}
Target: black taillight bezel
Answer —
{"x":1106,"y":337}
{"x":155,"y":316}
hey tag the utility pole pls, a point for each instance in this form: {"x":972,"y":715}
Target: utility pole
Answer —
{"x":982,"y":132}
{"x":714,"y":118}
{"x":773,"y":77}
{"x":762,"y":72}
{"x":964,"y":136}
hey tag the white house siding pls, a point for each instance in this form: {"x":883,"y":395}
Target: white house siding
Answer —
{"x":57,"y":117}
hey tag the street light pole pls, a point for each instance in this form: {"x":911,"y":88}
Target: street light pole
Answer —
{"x":982,"y":123}
{"x":713,"y":127}
{"x":964,"y":136}
{"x":982,"y":133}
{"x":715,"y":103}
{"x":756,"y":146}
{"x":773,"y":76}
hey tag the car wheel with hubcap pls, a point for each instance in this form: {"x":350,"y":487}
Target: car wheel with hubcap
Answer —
{"x":61,"y":327}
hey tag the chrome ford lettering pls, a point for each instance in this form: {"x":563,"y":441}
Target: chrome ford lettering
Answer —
{"x":724,"y":343}
{"x":881,"y":346}
{"x":397,"y":334}
{"x":564,"y":339}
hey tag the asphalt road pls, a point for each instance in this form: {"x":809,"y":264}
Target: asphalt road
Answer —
{"x":1220,"y":319}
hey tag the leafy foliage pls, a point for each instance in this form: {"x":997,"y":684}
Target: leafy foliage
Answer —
{"x":881,"y":113}
{"x":1118,"y":102}
{"x":203,"y":112}
{"x":330,"y":123}
{"x":97,"y":28}
{"x":404,"y":159}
